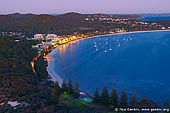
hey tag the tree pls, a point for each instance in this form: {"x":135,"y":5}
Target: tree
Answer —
{"x":76,"y":86}
{"x":70,"y":87}
{"x":76,"y":93}
{"x":123,"y":99}
{"x":145,"y":103}
{"x":56,"y":85}
{"x":166,"y":104}
{"x":114,"y":98}
{"x":64,"y":86}
{"x":96,"y":96}
{"x":105,"y":96}
{"x":133,"y":102}
{"x":54,"y":96}
{"x":55,"y":93}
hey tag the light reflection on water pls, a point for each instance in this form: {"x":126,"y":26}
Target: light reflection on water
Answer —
{"x":134,"y":62}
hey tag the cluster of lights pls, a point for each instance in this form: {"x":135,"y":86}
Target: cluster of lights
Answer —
{"x":69,"y":39}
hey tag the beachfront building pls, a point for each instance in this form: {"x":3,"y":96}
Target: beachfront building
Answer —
{"x":38,"y":37}
{"x":52,"y":37}
{"x":119,"y":30}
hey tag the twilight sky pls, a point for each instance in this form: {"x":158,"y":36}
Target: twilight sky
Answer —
{"x":84,"y":6}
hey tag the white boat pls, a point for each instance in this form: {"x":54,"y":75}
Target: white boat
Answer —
{"x":110,"y":49}
{"x":130,"y":38}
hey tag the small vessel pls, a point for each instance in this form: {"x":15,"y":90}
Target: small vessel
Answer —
{"x":95,"y":42}
{"x":105,"y":51}
{"x":110,"y":49}
{"x":118,"y":45}
{"x":130,"y":38}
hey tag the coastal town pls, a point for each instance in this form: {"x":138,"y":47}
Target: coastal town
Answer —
{"x":89,"y":25}
{"x":39,"y":40}
{"x":85,"y":56}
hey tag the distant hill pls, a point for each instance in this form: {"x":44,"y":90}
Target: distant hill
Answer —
{"x":18,"y":15}
{"x":70,"y":17}
{"x":71,"y":14}
{"x":43,"y":23}
{"x":61,"y":24}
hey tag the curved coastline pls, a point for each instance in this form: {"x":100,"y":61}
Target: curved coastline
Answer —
{"x":131,"y":32}
{"x":51,"y":67}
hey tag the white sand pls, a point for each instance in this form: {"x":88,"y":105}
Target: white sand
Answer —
{"x":128,"y":33}
{"x":51,"y":68}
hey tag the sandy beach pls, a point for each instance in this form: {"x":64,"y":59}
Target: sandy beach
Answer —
{"x":128,"y":33}
{"x":51,"y":66}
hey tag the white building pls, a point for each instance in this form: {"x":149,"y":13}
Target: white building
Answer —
{"x":38,"y":37}
{"x":51,"y":36}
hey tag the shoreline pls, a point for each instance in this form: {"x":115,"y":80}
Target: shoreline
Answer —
{"x":50,"y":68}
{"x":131,"y":32}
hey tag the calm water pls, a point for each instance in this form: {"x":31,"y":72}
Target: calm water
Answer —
{"x":135,"y":62}
{"x":154,"y":18}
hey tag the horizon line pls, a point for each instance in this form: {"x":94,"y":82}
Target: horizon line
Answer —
{"x":85,"y":13}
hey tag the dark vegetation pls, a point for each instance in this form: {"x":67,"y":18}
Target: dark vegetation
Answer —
{"x":113,"y":100}
{"x":18,"y":82}
{"x":14,"y":58}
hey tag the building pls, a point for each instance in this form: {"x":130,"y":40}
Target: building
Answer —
{"x":38,"y":37}
{"x":52,"y":37}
